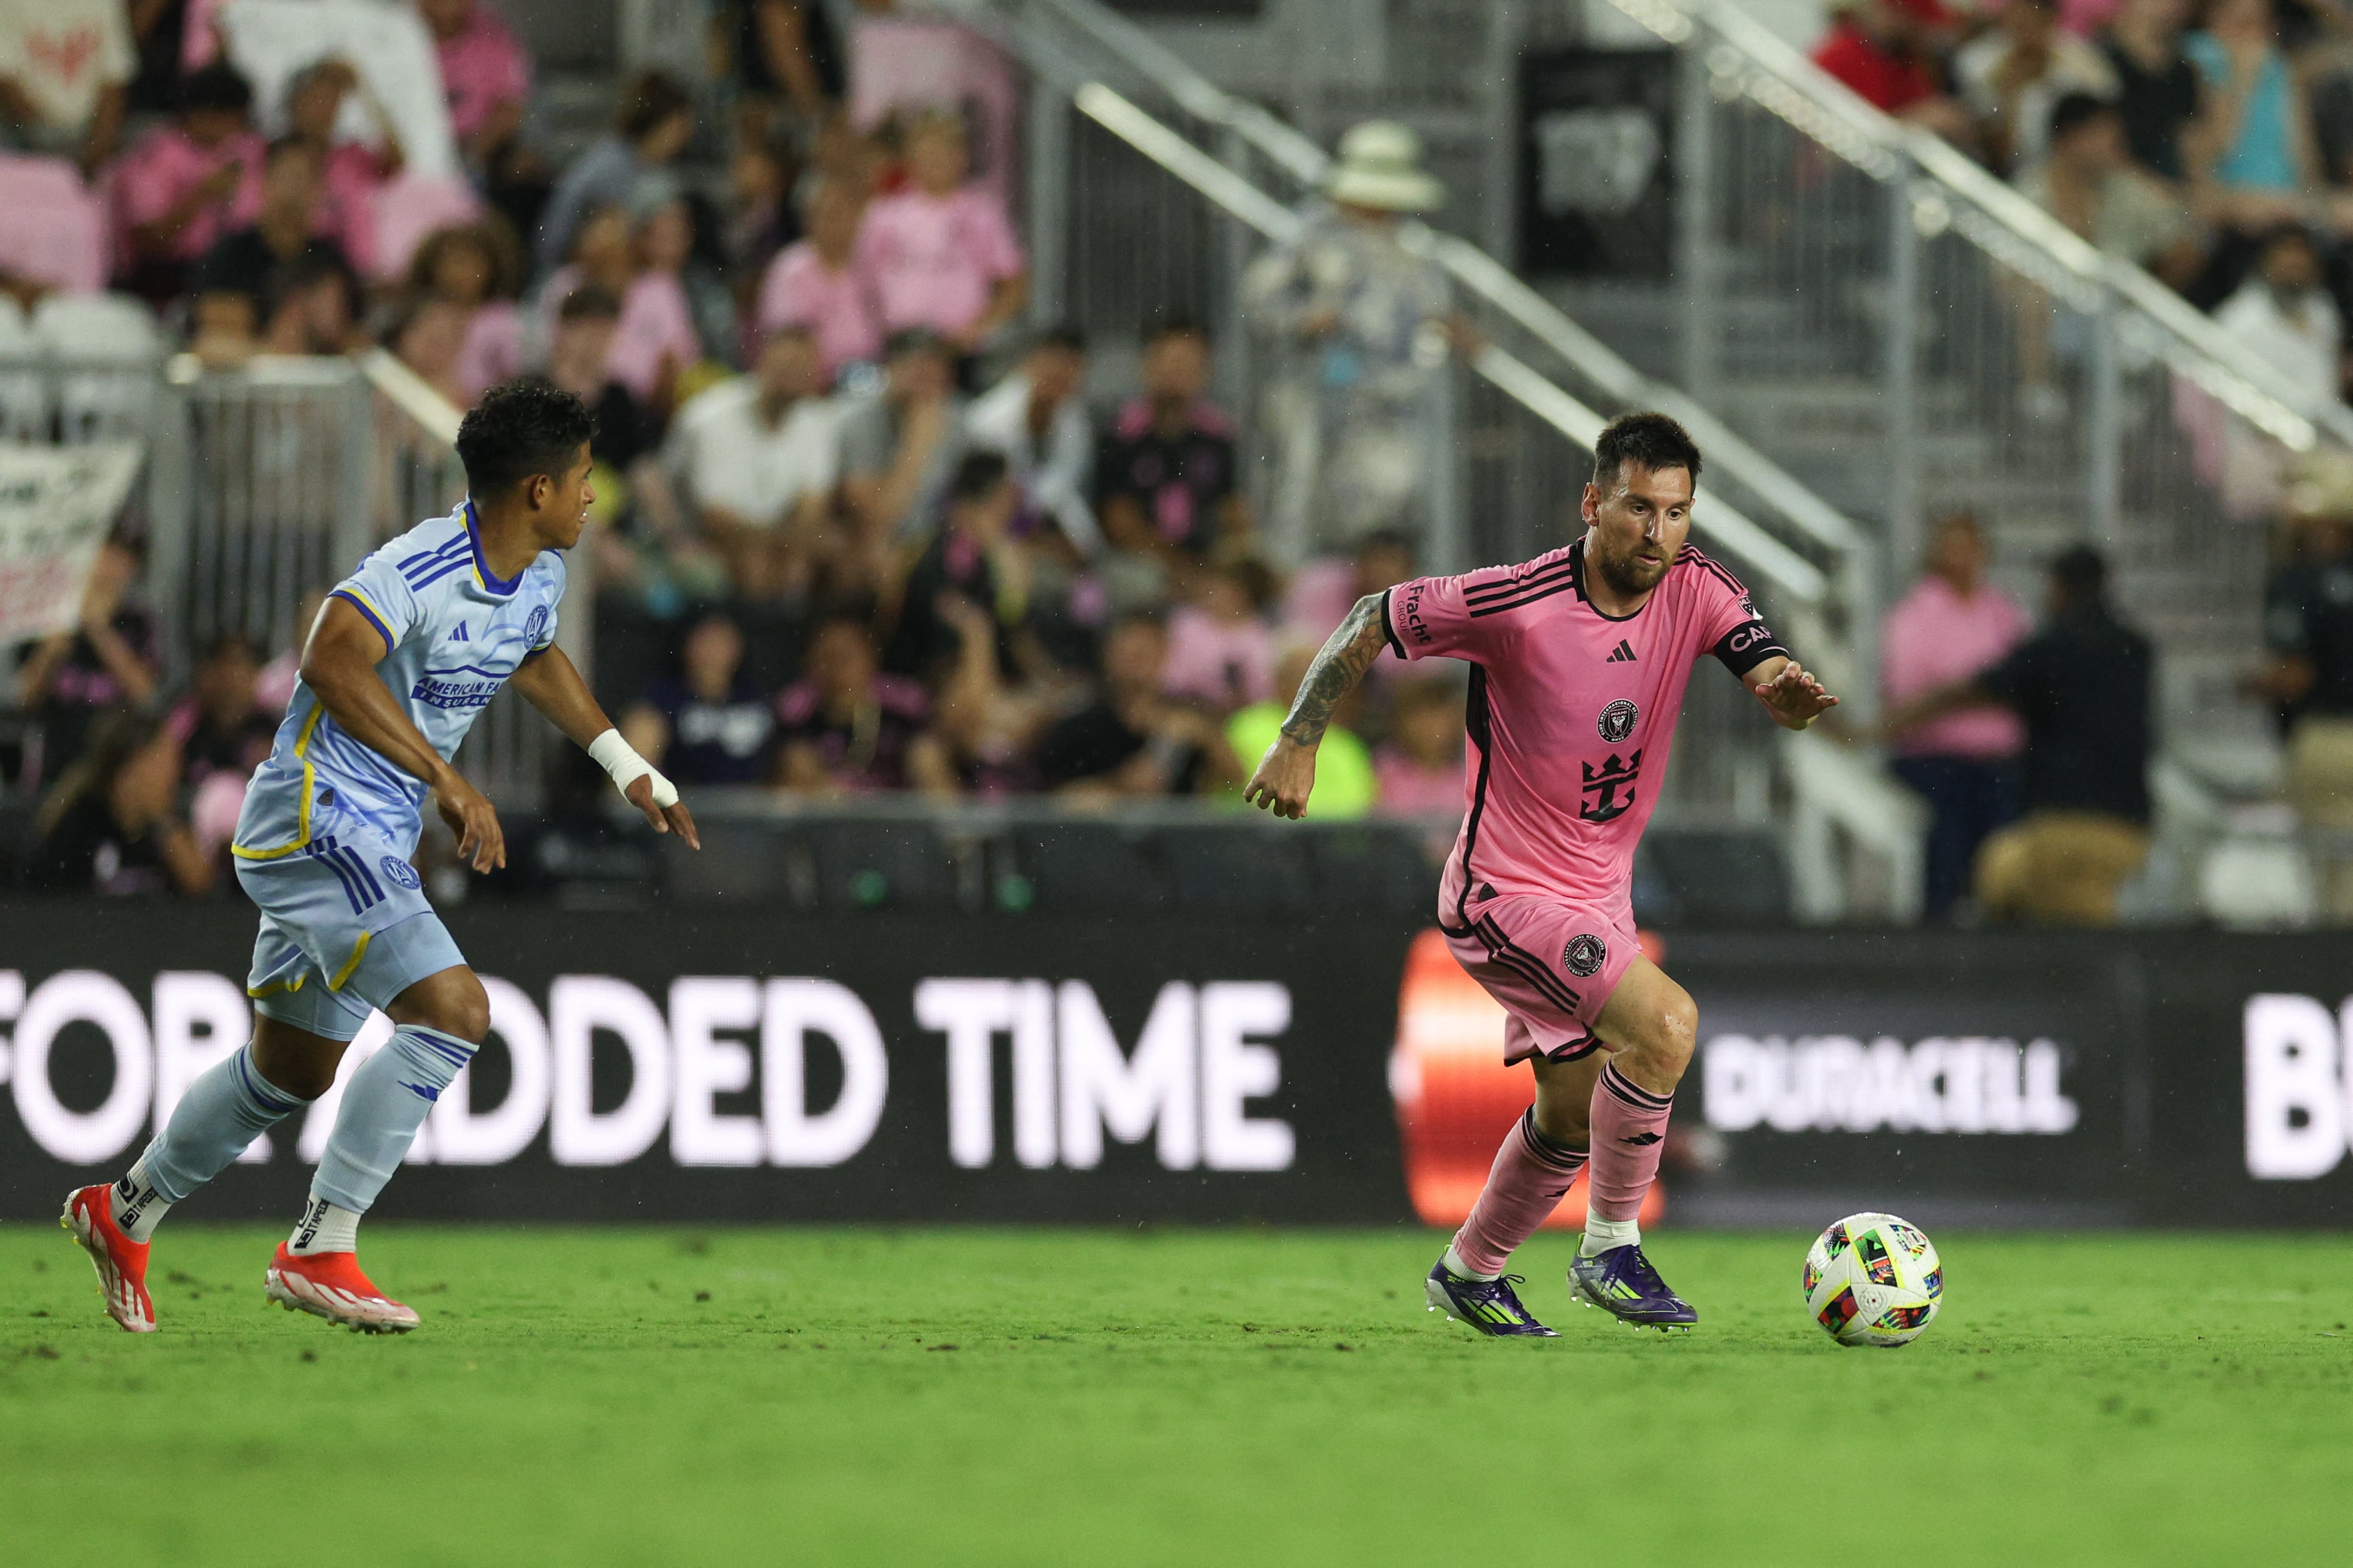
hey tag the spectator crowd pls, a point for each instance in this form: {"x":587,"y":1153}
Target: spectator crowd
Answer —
{"x":861,"y":524}
{"x":2209,"y":143}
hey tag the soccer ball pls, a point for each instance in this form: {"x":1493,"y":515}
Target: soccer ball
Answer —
{"x":1873,"y":1280}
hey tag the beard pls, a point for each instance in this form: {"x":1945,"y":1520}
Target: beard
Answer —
{"x":1627,"y":575}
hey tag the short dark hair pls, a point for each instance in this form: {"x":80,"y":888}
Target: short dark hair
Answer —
{"x":2075,"y":110}
{"x":2289,"y":232}
{"x":589,"y":302}
{"x":915,"y":340}
{"x":279,"y":146}
{"x":2081,"y":572}
{"x":978,"y":477}
{"x":521,"y":428}
{"x":232,"y":642}
{"x":848,"y":615}
{"x":650,"y":98}
{"x":1152,"y":618}
{"x":1176,"y":326}
{"x":217,"y":86}
{"x":1648,"y":440}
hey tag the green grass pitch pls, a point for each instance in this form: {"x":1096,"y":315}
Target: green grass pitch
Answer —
{"x":853,"y":1396}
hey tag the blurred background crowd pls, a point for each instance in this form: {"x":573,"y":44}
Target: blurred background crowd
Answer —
{"x":868,"y":521}
{"x":2210,"y":143}
{"x":862,"y":524}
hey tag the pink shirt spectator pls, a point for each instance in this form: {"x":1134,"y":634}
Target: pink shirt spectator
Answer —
{"x":493,"y":351}
{"x":164,"y":165}
{"x":839,"y":307}
{"x":654,"y":320}
{"x":2084,"y":19}
{"x":1226,"y":664}
{"x":1933,"y":638}
{"x":1409,"y":789}
{"x":273,"y":688}
{"x":1567,"y":746}
{"x":1321,"y":594}
{"x":935,"y":259}
{"x":483,"y":67}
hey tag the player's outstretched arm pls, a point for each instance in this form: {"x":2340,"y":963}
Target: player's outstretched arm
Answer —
{"x":550,"y":683}
{"x":1286,"y":775}
{"x":1792,"y":697}
{"x":339,"y":666}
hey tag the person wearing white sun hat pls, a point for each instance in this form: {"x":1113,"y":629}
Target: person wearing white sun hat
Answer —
{"x":1362,"y":322}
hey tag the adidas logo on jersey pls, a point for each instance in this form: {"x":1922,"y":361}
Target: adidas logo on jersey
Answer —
{"x":459,"y":635}
{"x":1623,"y":654}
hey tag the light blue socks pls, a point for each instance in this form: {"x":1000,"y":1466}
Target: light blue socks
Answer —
{"x":225,"y":1110}
{"x":384,"y":1104}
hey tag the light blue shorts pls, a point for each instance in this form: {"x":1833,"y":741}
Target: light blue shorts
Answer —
{"x":345,"y":928}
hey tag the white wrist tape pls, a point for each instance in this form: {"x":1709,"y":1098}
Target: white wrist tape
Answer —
{"x":625,"y":767}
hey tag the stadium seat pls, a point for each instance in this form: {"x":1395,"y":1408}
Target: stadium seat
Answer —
{"x":1086,"y":867}
{"x":740,"y":863}
{"x":24,"y":383}
{"x":105,"y":348}
{"x":1373,"y":866}
{"x":1719,"y":878}
{"x":1237,"y":866}
{"x":881,"y":865}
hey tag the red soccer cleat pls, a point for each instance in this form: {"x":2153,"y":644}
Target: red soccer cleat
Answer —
{"x":120,"y":1262}
{"x":330,"y":1285}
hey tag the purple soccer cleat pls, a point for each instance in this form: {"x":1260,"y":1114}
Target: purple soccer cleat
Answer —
{"x":1487,"y":1305}
{"x":1622,"y":1283}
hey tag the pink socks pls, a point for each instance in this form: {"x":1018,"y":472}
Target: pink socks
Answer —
{"x":1530,"y":1177}
{"x":1629,"y":1125}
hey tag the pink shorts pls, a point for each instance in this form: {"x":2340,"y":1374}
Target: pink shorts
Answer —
{"x":1551,"y":963}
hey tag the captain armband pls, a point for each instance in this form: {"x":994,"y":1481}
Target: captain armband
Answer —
{"x":1746,"y":646}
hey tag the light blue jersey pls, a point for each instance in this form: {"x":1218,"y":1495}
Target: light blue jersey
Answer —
{"x":454,"y":633}
{"x":324,"y":843}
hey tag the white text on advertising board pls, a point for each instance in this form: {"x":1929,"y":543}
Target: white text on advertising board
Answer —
{"x":2299,"y":1090}
{"x":1202,"y":1055}
{"x":1839,"y":1083}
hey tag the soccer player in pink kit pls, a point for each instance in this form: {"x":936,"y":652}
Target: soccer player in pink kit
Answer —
{"x":1578,"y":662}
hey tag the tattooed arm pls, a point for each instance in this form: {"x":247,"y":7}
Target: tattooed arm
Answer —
{"x":1286,"y":775}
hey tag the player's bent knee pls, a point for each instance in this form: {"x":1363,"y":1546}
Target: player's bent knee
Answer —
{"x":1564,"y":1121}
{"x":452,"y":1002}
{"x":295,"y":1060}
{"x":1672,"y":1032}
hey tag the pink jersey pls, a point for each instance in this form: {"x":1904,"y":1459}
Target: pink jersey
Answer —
{"x":933,"y":259}
{"x":1571,"y":713}
{"x":838,"y":307}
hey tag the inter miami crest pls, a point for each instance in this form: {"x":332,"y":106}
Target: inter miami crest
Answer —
{"x":1618,"y":721}
{"x":1585,"y":955}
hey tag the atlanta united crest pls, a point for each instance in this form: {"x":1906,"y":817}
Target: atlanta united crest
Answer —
{"x":1585,"y":955}
{"x":1617,"y":720}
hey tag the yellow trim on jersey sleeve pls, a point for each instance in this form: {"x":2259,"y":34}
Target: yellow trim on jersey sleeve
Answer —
{"x":359,"y":951}
{"x":302,"y":812}
{"x":277,"y":985}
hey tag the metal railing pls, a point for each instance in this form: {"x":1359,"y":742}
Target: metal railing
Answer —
{"x":1912,"y":335}
{"x":1521,"y":411}
{"x":1176,"y":119}
{"x":270,"y":483}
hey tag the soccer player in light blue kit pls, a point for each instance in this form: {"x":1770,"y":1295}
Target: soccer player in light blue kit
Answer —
{"x":409,"y":649}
